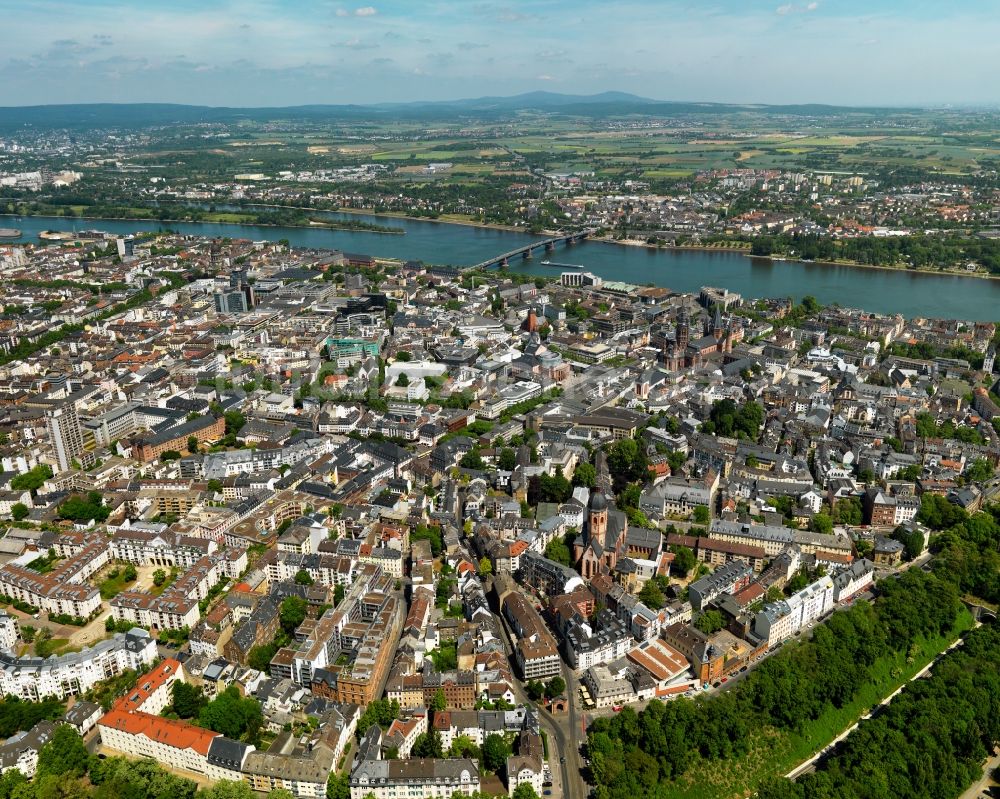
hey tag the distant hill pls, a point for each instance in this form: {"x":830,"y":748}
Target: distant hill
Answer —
{"x":605,"y":104}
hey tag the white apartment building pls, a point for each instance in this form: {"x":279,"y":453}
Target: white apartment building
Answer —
{"x":32,"y":679}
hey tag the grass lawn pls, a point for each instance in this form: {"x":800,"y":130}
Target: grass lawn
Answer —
{"x":775,"y":752}
{"x":445,"y":657}
{"x":50,"y":646}
{"x":113,"y":586}
{"x":44,"y":564}
{"x":156,"y":590}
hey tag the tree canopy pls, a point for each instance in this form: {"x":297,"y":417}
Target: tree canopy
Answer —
{"x":631,"y":753}
{"x":728,"y":419}
{"x":234,"y":716}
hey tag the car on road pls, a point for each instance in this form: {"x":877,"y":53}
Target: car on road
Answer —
{"x":562,"y":759}
{"x":724,"y":679}
{"x":617,"y":708}
{"x":744,"y":668}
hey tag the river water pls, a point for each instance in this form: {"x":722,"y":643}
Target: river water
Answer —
{"x":885,"y":291}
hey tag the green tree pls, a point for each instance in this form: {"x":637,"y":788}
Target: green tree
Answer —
{"x":821,"y":523}
{"x":684,"y":559}
{"x":292,"y":613}
{"x":115,"y":777}
{"x":302,"y":577}
{"x":652,"y":596}
{"x":31,"y":480}
{"x":259,"y":657}
{"x":496,"y":750}
{"x":848,"y":511}
{"x":628,"y":462}
{"x":84,"y":508}
{"x":978,"y":471}
{"x":232,"y":715}
{"x":524,"y":791}
{"x":710,"y":621}
{"x":912,"y":540}
{"x":535,"y":690}
{"x":810,"y":305}
{"x":472,"y":460}
{"x":728,"y":419}
{"x":129,"y":573}
{"x":64,"y":753}
{"x":702,"y":515}
{"x":159,"y":577}
{"x":381,"y":712}
{"x":338,"y":786}
{"x":557,"y":550}
{"x":187,"y":700}
{"x":227,"y":789}
{"x":19,"y":511}
{"x":429,"y":745}
{"x":439,"y":701}
{"x":507,"y":460}
{"x":585,"y":475}
{"x":192,"y":444}
{"x":555,"y":687}
{"x":485,"y":566}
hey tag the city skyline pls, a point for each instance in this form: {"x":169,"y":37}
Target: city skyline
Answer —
{"x":274,"y":53}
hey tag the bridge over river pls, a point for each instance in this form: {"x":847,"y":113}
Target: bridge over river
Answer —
{"x":525,"y":252}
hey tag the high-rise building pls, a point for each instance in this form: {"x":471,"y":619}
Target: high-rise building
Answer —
{"x":239,"y":297}
{"x":126,"y":248}
{"x":65,"y":434}
{"x":231,"y":301}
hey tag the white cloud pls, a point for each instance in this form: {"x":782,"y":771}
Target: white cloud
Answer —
{"x":544,"y":77}
{"x":791,"y":8}
{"x":343,"y":12}
{"x":365,"y":11}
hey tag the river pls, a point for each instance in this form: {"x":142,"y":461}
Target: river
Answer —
{"x":882,"y":290}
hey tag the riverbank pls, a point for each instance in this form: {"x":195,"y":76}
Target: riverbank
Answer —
{"x":952,"y":272}
{"x":220,"y":220}
{"x":451,"y":220}
{"x":683,"y":269}
{"x":447,"y":219}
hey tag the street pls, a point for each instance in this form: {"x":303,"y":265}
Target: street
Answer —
{"x":982,"y":786}
{"x":564,"y":733}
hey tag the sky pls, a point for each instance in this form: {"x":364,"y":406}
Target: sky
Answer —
{"x":292,"y":52}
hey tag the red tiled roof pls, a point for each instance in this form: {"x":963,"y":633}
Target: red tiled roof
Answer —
{"x":518,"y":547}
{"x":178,"y":734}
{"x":147,"y":684}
